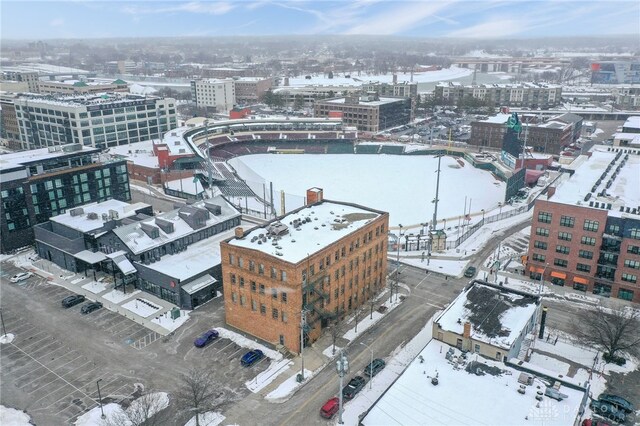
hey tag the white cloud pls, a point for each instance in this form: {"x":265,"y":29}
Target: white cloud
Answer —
{"x":492,"y":28}
{"x":401,"y":18}
{"x":57,"y":22}
{"x":210,"y":8}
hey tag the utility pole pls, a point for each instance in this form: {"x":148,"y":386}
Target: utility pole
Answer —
{"x":342,"y":367}
{"x":4,"y":330}
{"x":302,"y":324}
{"x":102,"y":416}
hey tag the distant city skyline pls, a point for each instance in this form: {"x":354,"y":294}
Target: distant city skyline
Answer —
{"x":51,"y":19}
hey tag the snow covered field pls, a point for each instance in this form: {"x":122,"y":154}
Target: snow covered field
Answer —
{"x":402,"y":185}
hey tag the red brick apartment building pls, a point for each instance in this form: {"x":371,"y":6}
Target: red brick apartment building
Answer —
{"x":587,"y":234}
{"x":327,"y":258}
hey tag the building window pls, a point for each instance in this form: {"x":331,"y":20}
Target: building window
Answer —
{"x":261,"y":288}
{"x":560,"y":262}
{"x":562,"y":249}
{"x":583,"y":268}
{"x":254,"y":305}
{"x":565,"y":236}
{"x":635,"y":233}
{"x":231,"y":259}
{"x":625,"y":294}
{"x":252,"y":266}
{"x":253,"y":286}
{"x":261,"y":269}
{"x":241,"y":281}
{"x":585,"y":254}
{"x":543,"y":232}
{"x":614,"y":229}
{"x":274,"y":273}
{"x":632,"y":264}
{"x":274,"y":293}
{"x":243,"y":300}
{"x":233,"y":278}
{"x":591,"y":225}
{"x":539,"y":257}
{"x":629,"y":278}
{"x":234,"y":297}
{"x":633,"y":249}
{"x":263,"y":309}
{"x":589,"y":241}
{"x":540,"y":245}
{"x":283,"y":317}
{"x":274,"y":313}
{"x":567,"y":221}
{"x":240,"y":262}
{"x":544,"y":217}
{"x":283,"y":276}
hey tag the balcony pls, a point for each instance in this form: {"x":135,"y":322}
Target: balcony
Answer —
{"x":610,"y":247}
{"x":608,"y":262}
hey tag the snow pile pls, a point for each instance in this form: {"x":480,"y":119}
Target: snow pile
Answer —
{"x":115,"y":414}
{"x":550,"y":363}
{"x":13,"y":417}
{"x":117,"y":296}
{"x":442,"y":266}
{"x":7,"y":338}
{"x":210,"y":418}
{"x":92,"y":417}
{"x":368,"y":320}
{"x":148,"y":405}
{"x":142,"y":307}
{"x":288,"y":387}
{"x":248,"y":343}
{"x":269,"y":375}
{"x":95,"y":287}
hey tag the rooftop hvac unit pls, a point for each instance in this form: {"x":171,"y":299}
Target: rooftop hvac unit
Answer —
{"x":76,"y":212}
{"x":105,"y":217}
{"x":92,"y":216}
{"x":609,"y":205}
{"x":113,"y":214}
{"x":590,"y":203}
{"x":634,"y":211}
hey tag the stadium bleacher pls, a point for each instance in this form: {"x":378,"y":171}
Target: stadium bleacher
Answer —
{"x":392,"y":149}
{"x":367,"y":149}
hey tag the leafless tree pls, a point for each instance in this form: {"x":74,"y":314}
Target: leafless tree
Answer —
{"x":147,"y":410}
{"x":335,"y":329}
{"x":610,"y":330}
{"x":198,"y":391}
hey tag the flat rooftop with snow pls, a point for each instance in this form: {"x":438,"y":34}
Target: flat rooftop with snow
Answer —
{"x":307,"y":230}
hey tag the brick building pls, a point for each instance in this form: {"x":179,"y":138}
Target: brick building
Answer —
{"x":327,"y":258}
{"x":369,"y":113}
{"x":250,"y":90}
{"x":586,"y":234}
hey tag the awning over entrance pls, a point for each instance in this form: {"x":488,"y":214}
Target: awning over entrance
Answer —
{"x":199,"y":284}
{"x":559,"y":275}
{"x":122,"y":262}
{"x":580,"y":280}
{"x":90,"y":257}
{"x":537,"y":270}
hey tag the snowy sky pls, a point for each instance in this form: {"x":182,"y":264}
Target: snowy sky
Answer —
{"x":440,"y":18}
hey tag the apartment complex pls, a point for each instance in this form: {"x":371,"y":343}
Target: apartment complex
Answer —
{"x":250,"y":90}
{"x":174,"y":255}
{"x":92,"y":120}
{"x":29,"y":77}
{"x":586,"y":234}
{"x":304,"y":270}
{"x":368,"y":113}
{"x":550,"y":137}
{"x":42,"y":183}
{"x":9,"y":129}
{"x":394,"y":89}
{"x":217,"y":95}
{"x":529,"y":95}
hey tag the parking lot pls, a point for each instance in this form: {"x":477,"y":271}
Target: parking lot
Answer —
{"x":51,"y":367}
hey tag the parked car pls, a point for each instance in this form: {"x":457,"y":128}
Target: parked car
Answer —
{"x":470,"y":272}
{"x":21,"y":277}
{"x":206,"y":338}
{"x":72,"y":300}
{"x":251,"y":357}
{"x":617,"y":401}
{"x":330,"y":408}
{"x":375,"y":367}
{"x":354,"y":386}
{"x":90,"y":307}
{"x":594,"y":422}
{"x":609,"y":411}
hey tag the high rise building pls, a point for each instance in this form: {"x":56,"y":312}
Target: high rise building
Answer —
{"x":38,"y":184}
{"x":216,"y":95}
{"x":92,"y":120}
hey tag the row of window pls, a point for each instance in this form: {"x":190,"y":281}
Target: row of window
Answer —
{"x":568,"y":221}
{"x":275,"y":313}
{"x":566,"y":236}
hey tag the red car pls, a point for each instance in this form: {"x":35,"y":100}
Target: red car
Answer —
{"x":592,"y":422}
{"x":330,"y":408}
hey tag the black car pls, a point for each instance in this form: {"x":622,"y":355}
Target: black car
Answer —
{"x":470,"y":272}
{"x":375,"y":367}
{"x":617,"y":401}
{"x":90,"y":307}
{"x":354,"y":386}
{"x":72,"y":300}
{"x":609,"y":411}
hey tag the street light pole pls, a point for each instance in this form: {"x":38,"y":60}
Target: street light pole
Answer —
{"x":302,"y":321}
{"x":102,"y":416}
{"x":397,"y":264}
{"x":370,"y":365}
{"x":542,"y":279}
{"x":342,"y":366}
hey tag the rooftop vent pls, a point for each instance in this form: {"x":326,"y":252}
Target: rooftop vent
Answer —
{"x":152,"y":231}
{"x":92,"y":216}
{"x":113,"y":214}
{"x":165,"y":225}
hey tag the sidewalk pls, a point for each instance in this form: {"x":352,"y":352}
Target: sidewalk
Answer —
{"x":97,"y":290}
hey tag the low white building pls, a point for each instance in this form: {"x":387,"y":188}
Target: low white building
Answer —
{"x":215,"y":94}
